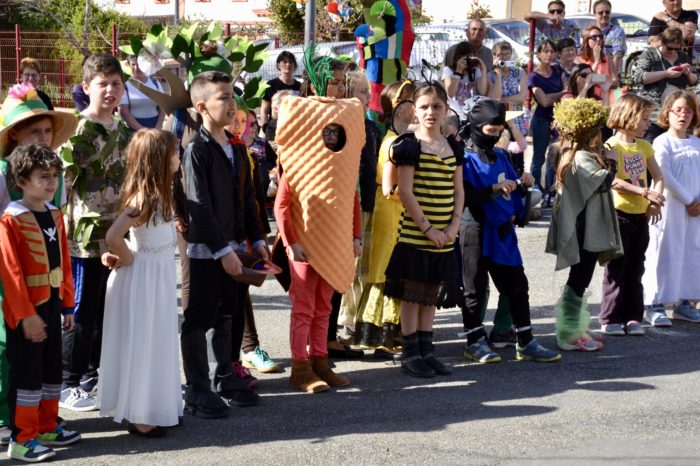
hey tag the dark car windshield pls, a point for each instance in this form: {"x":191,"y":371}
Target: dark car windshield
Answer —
{"x":519,"y":31}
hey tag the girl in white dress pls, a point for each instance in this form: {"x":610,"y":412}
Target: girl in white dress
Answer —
{"x":140,"y":379}
{"x":673,"y":255}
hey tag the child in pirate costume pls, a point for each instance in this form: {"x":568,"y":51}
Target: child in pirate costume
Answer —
{"x":318,"y":214}
{"x":494,"y":197}
{"x":25,"y":120}
{"x":36,"y":272}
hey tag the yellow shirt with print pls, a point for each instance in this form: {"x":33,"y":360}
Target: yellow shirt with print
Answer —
{"x":631,"y":167}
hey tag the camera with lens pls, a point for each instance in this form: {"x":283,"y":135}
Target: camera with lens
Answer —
{"x":472,"y":63}
{"x":506,"y":64}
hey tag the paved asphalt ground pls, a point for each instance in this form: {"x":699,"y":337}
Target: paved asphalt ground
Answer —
{"x":635,"y":402}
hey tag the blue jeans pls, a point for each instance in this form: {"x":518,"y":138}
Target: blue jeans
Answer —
{"x":541,"y":132}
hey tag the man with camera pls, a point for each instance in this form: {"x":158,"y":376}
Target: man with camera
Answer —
{"x":476,"y":32}
{"x":553,"y":24}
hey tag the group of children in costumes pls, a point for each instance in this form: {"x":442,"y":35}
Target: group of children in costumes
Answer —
{"x":430,"y":189}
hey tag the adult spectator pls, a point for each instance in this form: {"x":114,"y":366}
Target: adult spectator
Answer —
{"x":476,"y":32}
{"x":593,"y":54}
{"x":136,"y":108}
{"x":674,"y":16}
{"x":513,"y":81}
{"x":660,"y":71}
{"x":566,"y":49}
{"x":286,"y":64}
{"x":464,"y":76}
{"x":31,"y":74}
{"x":547,"y":88}
{"x":553,"y":24}
{"x":615,"y":39}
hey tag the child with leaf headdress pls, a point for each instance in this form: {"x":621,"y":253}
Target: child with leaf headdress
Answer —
{"x":583,"y":228}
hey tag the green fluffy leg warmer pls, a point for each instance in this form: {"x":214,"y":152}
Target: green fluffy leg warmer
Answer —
{"x":572,"y":317}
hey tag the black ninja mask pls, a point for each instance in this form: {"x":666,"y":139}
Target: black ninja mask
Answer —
{"x":485,"y":111}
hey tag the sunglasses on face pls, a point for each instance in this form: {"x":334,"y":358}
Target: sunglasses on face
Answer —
{"x":596,"y":37}
{"x":672,"y":49}
{"x":556,"y":11}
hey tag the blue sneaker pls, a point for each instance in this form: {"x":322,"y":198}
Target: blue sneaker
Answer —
{"x":656,"y":316}
{"x":258,"y":359}
{"x":685,"y":311}
{"x":30,"y":451}
{"x":89,"y":384}
{"x":481,"y":352}
{"x":533,"y":351}
{"x":59,"y":437}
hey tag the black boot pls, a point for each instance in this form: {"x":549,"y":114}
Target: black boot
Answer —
{"x":204,"y":403}
{"x":411,"y":361}
{"x":425,"y":344}
{"x":387,"y":349}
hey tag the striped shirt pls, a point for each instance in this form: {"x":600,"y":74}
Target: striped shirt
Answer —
{"x":433,"y":187}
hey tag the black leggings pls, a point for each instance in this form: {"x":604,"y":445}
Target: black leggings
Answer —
{"x":509,"y":280}
{"x":581,"y":274}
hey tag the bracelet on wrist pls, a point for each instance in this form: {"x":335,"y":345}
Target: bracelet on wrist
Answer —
{"x":427,"y":229}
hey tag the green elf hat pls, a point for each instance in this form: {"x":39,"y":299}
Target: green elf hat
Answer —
{"x":23,"y":103}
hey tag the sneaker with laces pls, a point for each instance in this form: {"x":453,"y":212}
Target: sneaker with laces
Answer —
{"x":30,"y":451}
{"x":59,"y":436}
{"x":481,"y":352}
{"x":533,"y":351}
{"x":613,"y":329}
{"x":633,"y":327}
{"x":259,"y":360}
{"x":685,"y":311}
{"x":77,"y":399}
{"x":89,"y":384}
{"x":501,"y":340}
{"x":244,"y":374}
{"x":656,"y":316}
{"x":584,"y":344}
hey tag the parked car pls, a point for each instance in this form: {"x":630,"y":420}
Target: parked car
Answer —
{"x":636,"y":31}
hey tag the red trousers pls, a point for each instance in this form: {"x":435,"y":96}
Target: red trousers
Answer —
{"x":311,"y":305}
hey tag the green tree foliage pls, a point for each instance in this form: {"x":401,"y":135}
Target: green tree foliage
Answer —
{"x":478,"y":11}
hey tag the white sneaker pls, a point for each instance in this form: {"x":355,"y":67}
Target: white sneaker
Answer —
{"x":77,"y":399}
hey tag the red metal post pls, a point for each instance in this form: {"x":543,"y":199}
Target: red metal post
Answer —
{"x":228,"y":29}
{"x":531,"y":45}
{"x":18,"y":52}
{"x":62,"y":81}
{"x":115,"y":45}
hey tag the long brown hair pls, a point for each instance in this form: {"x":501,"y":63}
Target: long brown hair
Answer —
{"x":148,"y":184}
{"x":586,"y":50}
{"x":592,"y":142}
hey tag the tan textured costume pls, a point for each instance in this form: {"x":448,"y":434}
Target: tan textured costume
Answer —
{"x":323,"y":181}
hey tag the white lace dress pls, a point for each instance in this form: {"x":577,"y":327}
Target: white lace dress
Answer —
{"x":139,"y":366}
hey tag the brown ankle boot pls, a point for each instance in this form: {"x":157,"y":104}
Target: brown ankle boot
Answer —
{"x":304,"y":379}
{"x":319,"y":364}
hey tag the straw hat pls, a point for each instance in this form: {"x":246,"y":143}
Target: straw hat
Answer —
{"x":22,"y":103}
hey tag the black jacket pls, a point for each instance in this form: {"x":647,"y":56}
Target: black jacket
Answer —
{"x":220,"y":201}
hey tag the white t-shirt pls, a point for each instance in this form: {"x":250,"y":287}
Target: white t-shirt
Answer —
{"x":466,"y":89}
{"x":140,"y":106}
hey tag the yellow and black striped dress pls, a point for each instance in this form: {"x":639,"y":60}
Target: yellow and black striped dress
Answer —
{"x":416,"y":261}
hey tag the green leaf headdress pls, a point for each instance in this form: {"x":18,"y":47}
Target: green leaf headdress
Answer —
{"x":318,"y":68}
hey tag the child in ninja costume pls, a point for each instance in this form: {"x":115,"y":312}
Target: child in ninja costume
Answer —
{"x":494,"y":197}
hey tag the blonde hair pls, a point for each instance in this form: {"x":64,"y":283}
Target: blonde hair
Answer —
{"x":148,"y":180}
{"x":352,"y":79}
{"x":628,"y":111}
